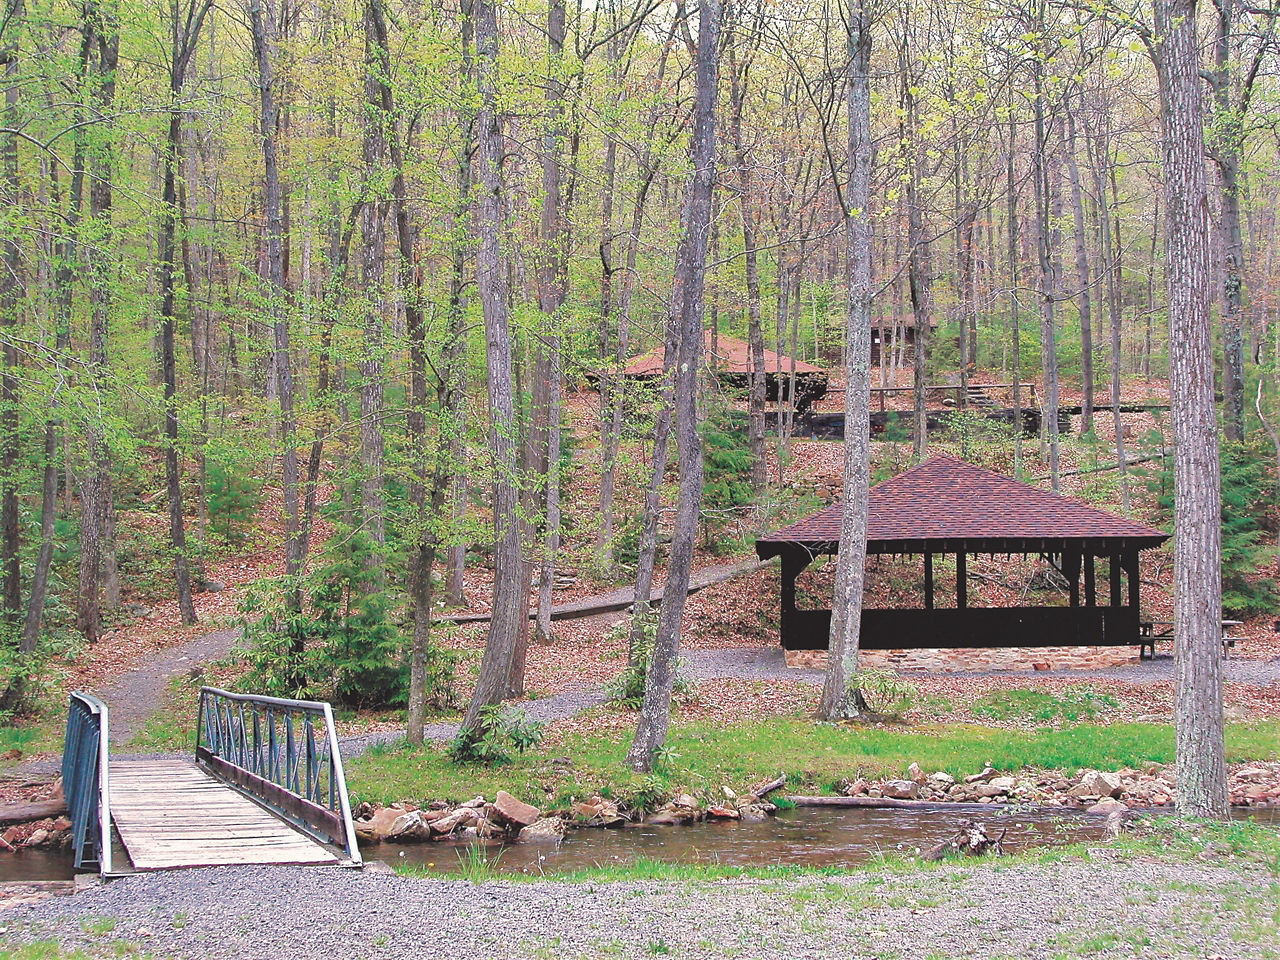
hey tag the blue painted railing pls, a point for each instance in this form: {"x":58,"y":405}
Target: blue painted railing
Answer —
{"x":86,"y":783}
{"x":283,"y":753}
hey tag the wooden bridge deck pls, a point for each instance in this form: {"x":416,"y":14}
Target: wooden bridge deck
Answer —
{"x":170,"y":813}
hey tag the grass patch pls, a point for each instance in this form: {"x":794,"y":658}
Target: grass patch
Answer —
{"x":703,"y":756}
{"x":1016,"y":704}
{"x":43,"y":735}
{"x":42,"y":950}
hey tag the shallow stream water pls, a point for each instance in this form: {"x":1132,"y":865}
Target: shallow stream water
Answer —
{"x":810,"y":836}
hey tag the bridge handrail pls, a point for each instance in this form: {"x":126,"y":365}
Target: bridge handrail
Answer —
{"x":268,"y":747}
{"x":86,"y":781}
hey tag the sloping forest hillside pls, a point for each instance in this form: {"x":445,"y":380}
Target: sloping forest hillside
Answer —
{"x":315,"y":315}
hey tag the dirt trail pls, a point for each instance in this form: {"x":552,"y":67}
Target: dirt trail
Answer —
{"x":141,"y":690}
{"x":619,"y":599}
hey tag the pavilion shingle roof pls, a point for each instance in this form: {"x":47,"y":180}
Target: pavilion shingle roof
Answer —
{"x":946,"y":498}
{"x":732,"y":356}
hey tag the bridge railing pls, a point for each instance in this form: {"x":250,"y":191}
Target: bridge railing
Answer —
{"x":86,"y":783}
{"x":282,"y":752}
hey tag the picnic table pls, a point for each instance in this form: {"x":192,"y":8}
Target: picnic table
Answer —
{"x":1152,"y":631}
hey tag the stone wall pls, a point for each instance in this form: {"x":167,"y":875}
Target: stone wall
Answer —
{"x":968,"y":661}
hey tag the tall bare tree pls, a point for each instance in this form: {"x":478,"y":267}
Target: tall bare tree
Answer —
{"x":186,"y":18}
{"x":655,"y":713}
{"x":510,"y":604}
{"x":1197,"y":596}
{"x":841,"y":697}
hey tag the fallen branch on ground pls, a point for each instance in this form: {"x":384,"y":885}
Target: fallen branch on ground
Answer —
{"x":1128,"y":462}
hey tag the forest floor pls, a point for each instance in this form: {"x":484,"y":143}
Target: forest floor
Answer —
{"x":1209,"y":893}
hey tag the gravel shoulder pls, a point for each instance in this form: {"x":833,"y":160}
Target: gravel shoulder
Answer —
{"x":1014,"y":909}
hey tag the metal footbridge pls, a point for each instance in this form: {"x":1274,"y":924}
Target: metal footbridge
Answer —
{"x":265,"y":786}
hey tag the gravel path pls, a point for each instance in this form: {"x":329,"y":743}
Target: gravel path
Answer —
{"x":1024,"y":910}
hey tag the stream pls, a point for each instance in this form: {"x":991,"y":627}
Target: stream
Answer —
{"x":809,"y":836}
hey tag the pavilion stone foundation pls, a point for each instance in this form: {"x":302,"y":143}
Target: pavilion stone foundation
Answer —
{"x":1027,"y":659}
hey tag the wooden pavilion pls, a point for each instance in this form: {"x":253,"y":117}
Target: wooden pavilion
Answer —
{"x":949,"y":506}
{"x":731,"y":362}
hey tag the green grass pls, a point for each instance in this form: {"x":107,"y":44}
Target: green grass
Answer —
{"x":172,"y":728}
{"x":1023,"y":704}
{"x":704,"y":756}
{"x":52,"y":950}
{"x":44,"y":735}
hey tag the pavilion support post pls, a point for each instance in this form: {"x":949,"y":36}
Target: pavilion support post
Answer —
{"x":928,"y":580}
{"x":792,"y":565}
{"x":1135,"y":581}
{"x":962,"y":581}
{"x":1117,"y":599}
{"x":1090,"y":582}
{"x":1071,"y":570}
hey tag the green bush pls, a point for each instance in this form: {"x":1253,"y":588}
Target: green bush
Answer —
{"x":1248,"y":495}
{"x":234,"y":495}
{"x":497,"y":732}
{"x":887,"y":693}
{"x":627,"y":688}
{"x":343,"y":640}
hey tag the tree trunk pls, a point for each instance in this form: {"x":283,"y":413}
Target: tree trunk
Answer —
{"x":375,"y":121}
{"x":1110,"y":260}
{"x":739,"y":73}
{"x":263,"y":20}
{"x":841,"y":698}
{"x":553,"y":282}
{"x":96,"y":488}
{"x":1197,"y":598}
{"x":1229,"y":141}
{"x":1082,"y":276}
{"x":655,"y":713}
{"x":509,"y":606}
{"x":1011,"y":190}
{"x":11,"y":283}
{"x":1046,"y":245}
{"x":455,"y":565}
{"x":186,"y":33}
{"x":66,"y":255}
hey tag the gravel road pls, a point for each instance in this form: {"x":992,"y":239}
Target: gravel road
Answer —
{"x":1021,"y":910}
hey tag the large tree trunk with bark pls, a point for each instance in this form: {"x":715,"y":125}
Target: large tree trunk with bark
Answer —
{"x":510,"y":605}
{"x":186,"y":33}
{"x":553,"y":282}
{"x":376,"y":123}
{"x":263,"y":26}
{"x":655,"y":713}
{"x":1197,"y":598}
{"x":841,"y":698}
{"x":96,"y":487}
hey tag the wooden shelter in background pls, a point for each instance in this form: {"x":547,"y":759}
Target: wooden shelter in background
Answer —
{"x":731,"y":362}
{"x":948,"y":506}
{"x":894,"y":328}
